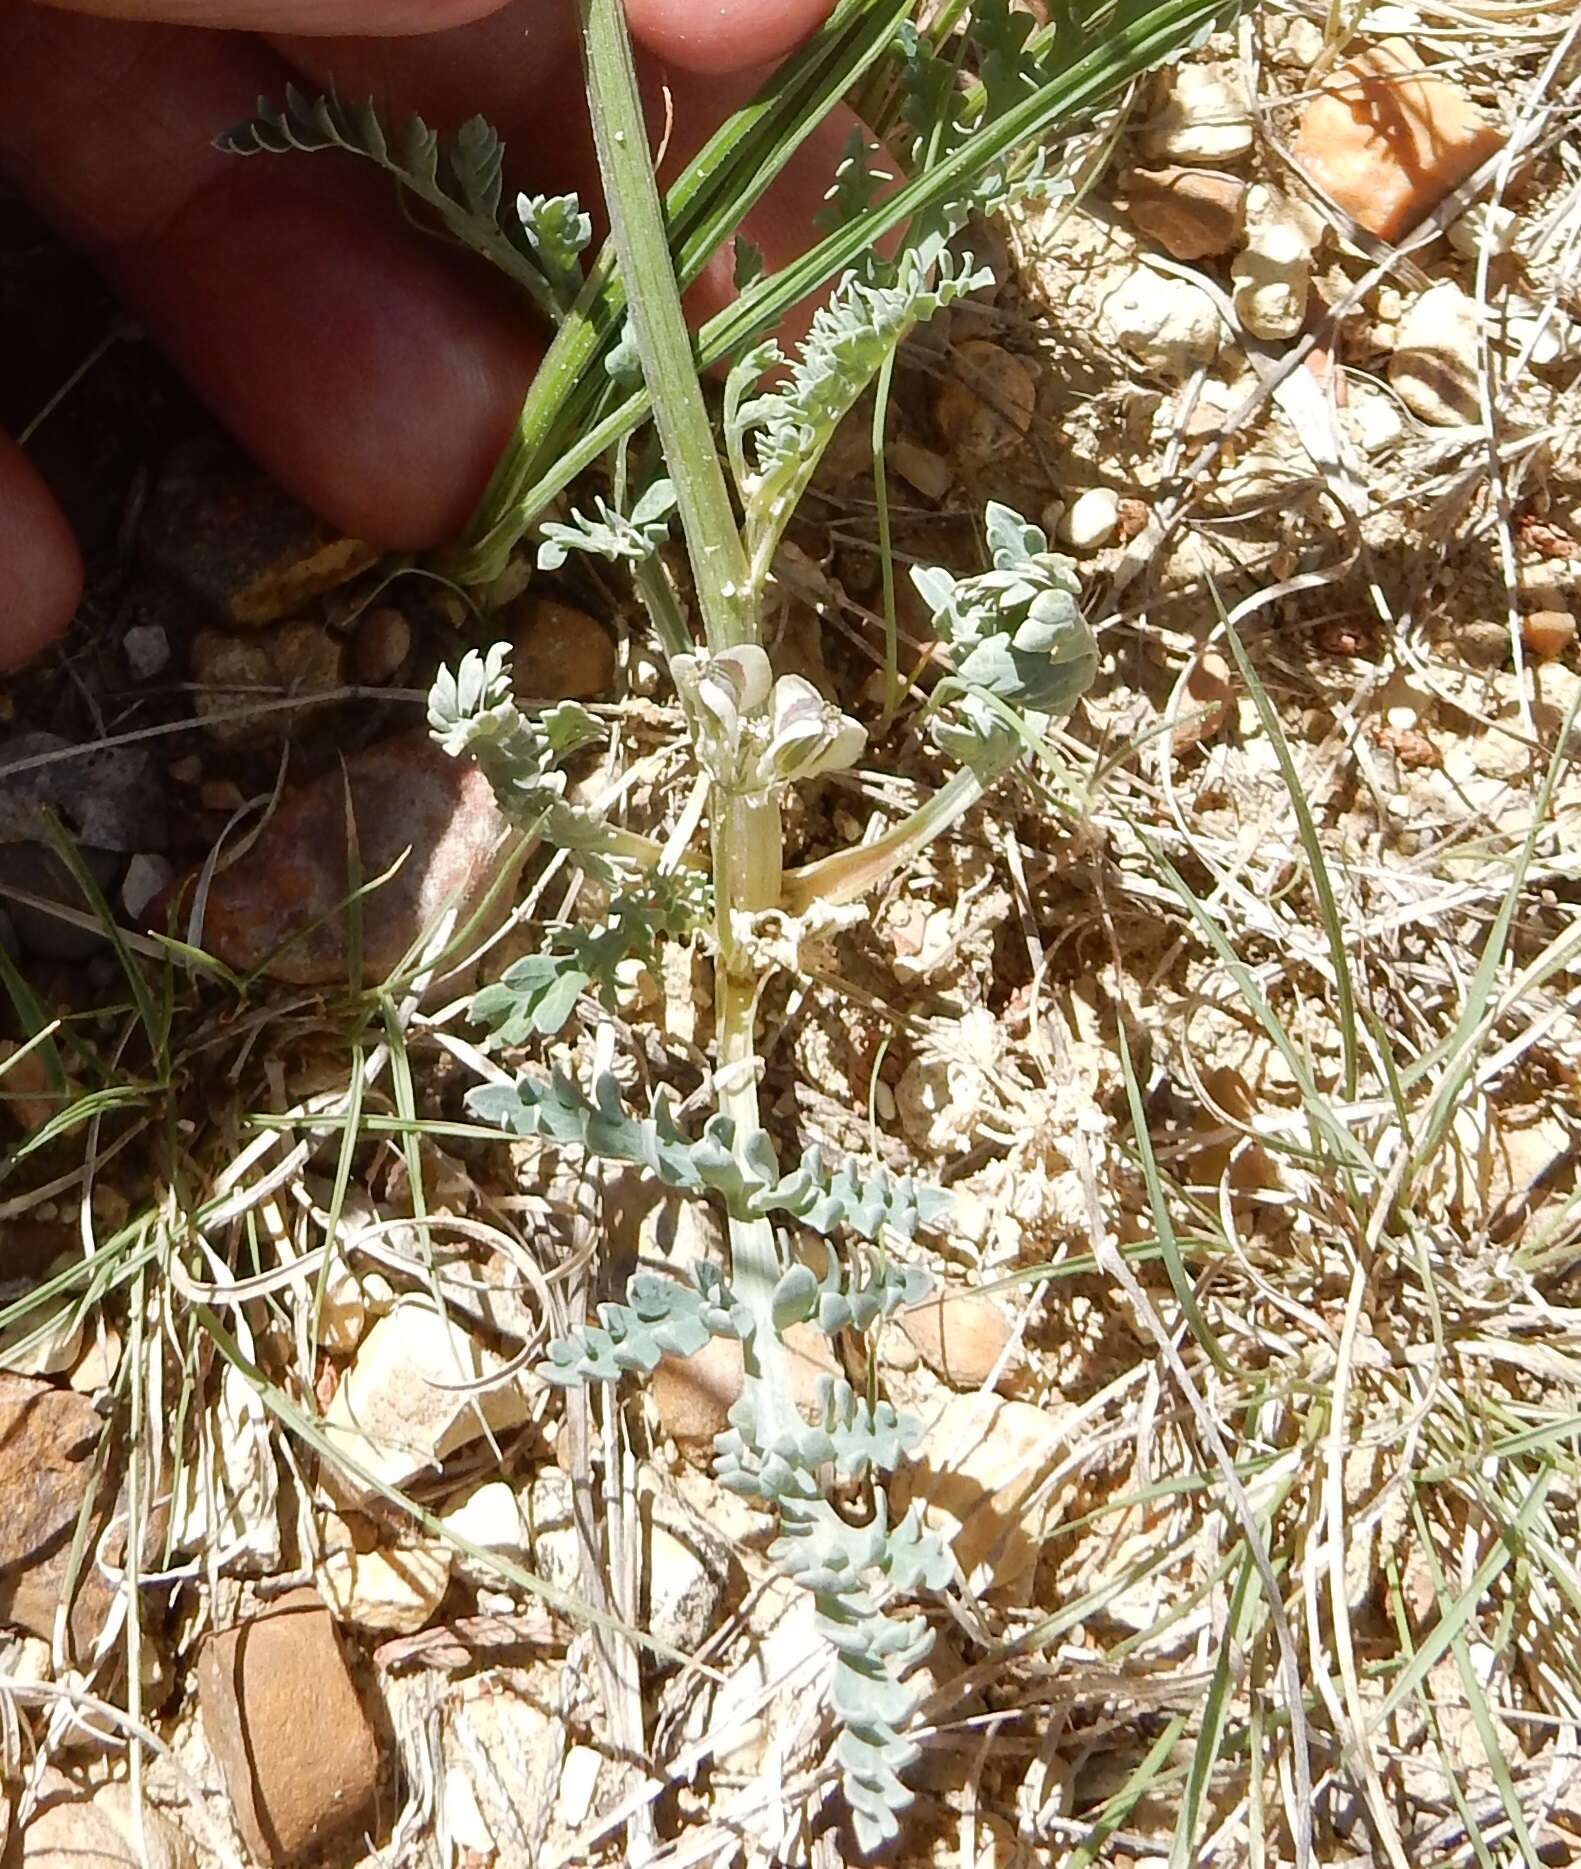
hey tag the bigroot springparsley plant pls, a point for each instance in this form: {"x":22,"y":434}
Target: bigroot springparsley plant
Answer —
{"x":971,"y":104}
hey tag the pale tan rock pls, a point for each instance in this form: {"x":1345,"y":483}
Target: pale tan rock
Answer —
{"x":1168,"y":325}
{"x":401,"y":1408}
{"x":685,"y":1567}
{"x":1093,"y":520}
{"x":925,"y":469}
{"x":1204,"y":119}
{"x":979,"y":1474}
{"x":166,"y":1846}
{"x":1434,"y":366}
{"x":559,"y":653}
{"x":960,"y":1335}
{"x":1194,"y":214}
{"x":381,"y":1590}
{"x":1387,"y":140}
{"x":70,"y":1831}
{"x":695,"y":1394}
{"x":984,"y":408}
{"x":1272,"y":275}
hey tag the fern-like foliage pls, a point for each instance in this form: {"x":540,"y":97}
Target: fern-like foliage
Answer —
{"x":855,"y":1291}
{"x":661,"y":1317}
{"x":535,"y":996}
{"x":608,"y":534}
{"x":472,"y":711}
{"x":750,"y":1183}
{"x":852,"y":335}
{"x":1015,"y":634}
{"x":855,"y":1572}
{"x":537,"y":240}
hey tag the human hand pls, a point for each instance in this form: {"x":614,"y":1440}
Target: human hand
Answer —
{"x":374,"y":372}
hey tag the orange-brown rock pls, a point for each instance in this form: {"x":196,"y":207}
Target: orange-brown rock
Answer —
{"x":1192,"y":213}
{"x":282,"y":1718}
{"x":1388,"y":140}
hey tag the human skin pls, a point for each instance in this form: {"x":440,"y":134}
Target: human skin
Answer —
{"x":374,"y":372}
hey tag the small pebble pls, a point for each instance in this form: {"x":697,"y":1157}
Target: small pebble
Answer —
{"x":922,"y":468}
{"x":1548,"y":633}
{"x":384,"y":641}
{"x":147,"y":650}
{"x":1194,"y":214}
{"x":1092,"y":520}
{"x":1205,"y":119}
{"x":146,"y":875}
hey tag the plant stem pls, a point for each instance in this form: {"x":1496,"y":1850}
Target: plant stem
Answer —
{"x":641,"y":240}
{"x":747,"y":844}
{"x":747,"y":836}
{"x":850,"y":874}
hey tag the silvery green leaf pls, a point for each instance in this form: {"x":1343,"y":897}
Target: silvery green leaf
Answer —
{"x":660,"y":1317}
{"x":558,"y":233}
{"x":795,"y":1296}
{"x":1011,"y":539}
{"x":608,"y":534}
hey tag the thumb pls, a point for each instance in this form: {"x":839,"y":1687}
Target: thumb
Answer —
{"x":40,"y":572}
{"x":385,"y":17}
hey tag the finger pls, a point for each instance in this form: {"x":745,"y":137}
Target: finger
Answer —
{"x":40,"y":570}
{"x":304,"y":16}
{"x":724,"y":35}
{"x":368,"y":372}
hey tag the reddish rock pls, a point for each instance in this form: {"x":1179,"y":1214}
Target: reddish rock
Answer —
{"x":407,"y":798}
{"x":1194,"y":214}
{"x":48,"y":1441}
{"x":1387,"y":140}
{"x":282,"y":1718}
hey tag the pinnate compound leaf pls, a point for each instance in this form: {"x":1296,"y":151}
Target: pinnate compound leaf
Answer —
{"x":661,"y":1317}
{"x":535,"y":243}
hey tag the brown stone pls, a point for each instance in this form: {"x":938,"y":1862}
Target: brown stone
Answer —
{"x":1194,"y":214}
{"x":1206,"y":703}
{"x":282,"y":1718}
{"x":1548,"y":633}
{"x":985,"y":406}
{"x":232,"y":539}
{"x":1387,"y":140}
{"x":49,"y":1438}
{"x":409,"y":800}
{"x":384,"y":641}
{"x":561,"y":654}
{"x":232,"y":673}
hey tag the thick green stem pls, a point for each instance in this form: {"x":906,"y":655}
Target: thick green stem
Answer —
{"x":747,"y":836}
{"x":641,"y":241}
{"x":747,"y":875}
